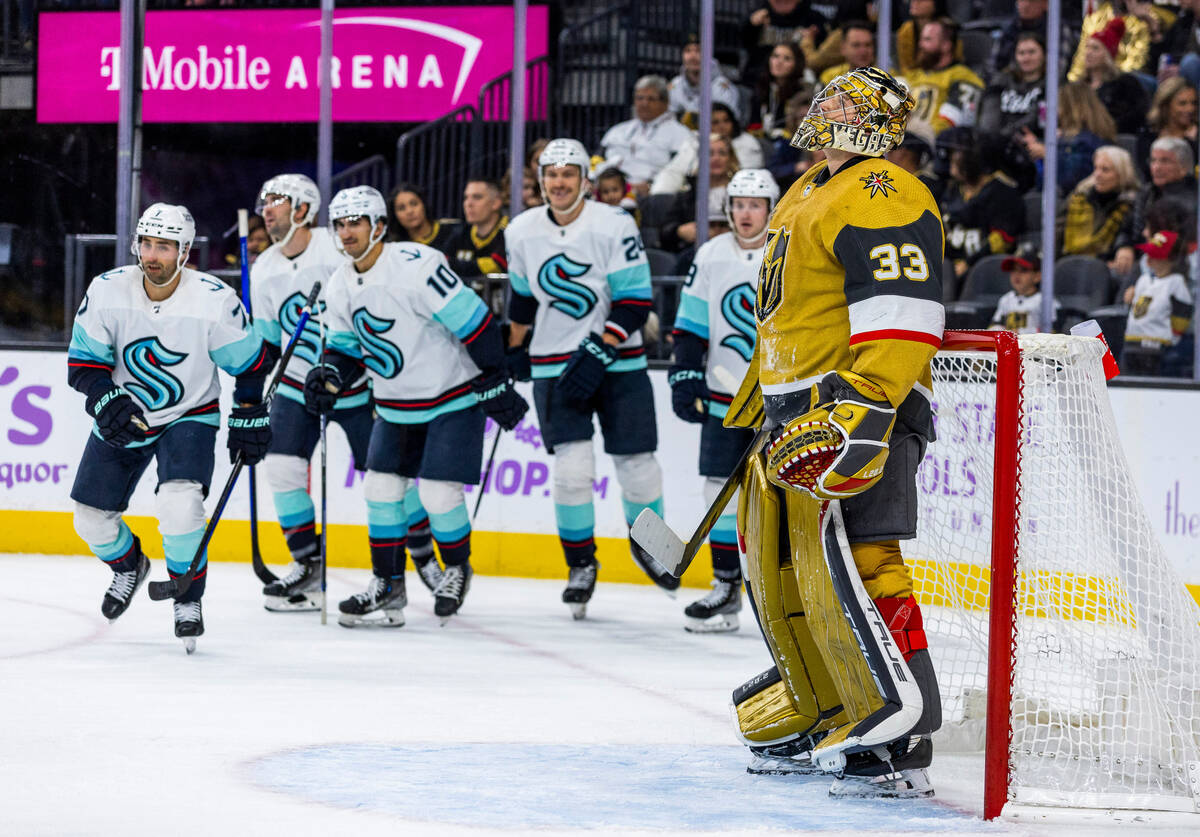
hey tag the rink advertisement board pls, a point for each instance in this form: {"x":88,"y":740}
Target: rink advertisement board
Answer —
{"x":391,"y":64}
{"x":43,"y":428}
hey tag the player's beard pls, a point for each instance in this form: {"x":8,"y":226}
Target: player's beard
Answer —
{"x":160,"y":278}
{"x":928,"y":60}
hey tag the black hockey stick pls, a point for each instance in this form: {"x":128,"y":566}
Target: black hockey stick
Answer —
{"x":487,"y":472}
{"x":324,"y":489}
{"x":175,"y":587}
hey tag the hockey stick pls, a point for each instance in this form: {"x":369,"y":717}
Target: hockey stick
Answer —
{"x":256,"y":561}
{"x":176,"y":587}
{"x":487,"y":472}
{"x":324,"y":488}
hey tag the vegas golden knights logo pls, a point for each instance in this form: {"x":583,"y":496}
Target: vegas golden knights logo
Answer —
{"x":770,"y":275}
{"x":1141,"y":306}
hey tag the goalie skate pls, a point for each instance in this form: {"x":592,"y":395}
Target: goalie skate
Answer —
{"x":903,"y":784}
{"x":894,"y":771}
{"x":581,"y":583}
{"x":798,"y":765}
{"x":189,"y":624}
{"x":298,"y":591}
{"x":381,"y":605}
{"x":718,"y":611}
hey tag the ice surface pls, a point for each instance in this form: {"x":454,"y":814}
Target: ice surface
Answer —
{"x":511,"y":719}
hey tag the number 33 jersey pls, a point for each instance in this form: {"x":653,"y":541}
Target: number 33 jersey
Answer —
{"x":407,"y":319}
{"x":578,"y":274}
{"x":851,"y":279}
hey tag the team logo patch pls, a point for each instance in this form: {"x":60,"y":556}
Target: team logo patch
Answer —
{"x":380,"y":355}
{"x":737,"y":307}
{"x":557,"y":276}
{"x":877,"y":182}
{"x":154,"y":386}
{"x":308,"y":342}
{"x":770,"y":275}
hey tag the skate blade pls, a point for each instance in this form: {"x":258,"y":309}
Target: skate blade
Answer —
{"x":578,"y":610}
{"x":767,"y":766}
{"x":296,"y":603}
{"x":907,"y":784}
{"x":385,"y":619}
{"x":189,"y":644}
{"x":721,"y":623}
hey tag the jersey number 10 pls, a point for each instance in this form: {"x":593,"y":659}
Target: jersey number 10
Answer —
{"x":443,"y":281}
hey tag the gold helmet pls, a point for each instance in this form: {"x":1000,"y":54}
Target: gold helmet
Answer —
{"x":862,"y":111}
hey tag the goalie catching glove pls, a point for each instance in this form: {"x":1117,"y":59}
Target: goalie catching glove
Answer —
{"x":838,"y":448}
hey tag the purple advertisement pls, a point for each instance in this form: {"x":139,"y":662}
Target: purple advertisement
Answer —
{"x":391,"y":64}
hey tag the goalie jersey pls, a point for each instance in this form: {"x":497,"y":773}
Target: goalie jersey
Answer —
{"x":851,"y":279}
{"x":717,"y":305}
{"x":165,"y":354}
{"x":278,"y":288}
{"x":583,"y":278}
{"x":407,"y":319}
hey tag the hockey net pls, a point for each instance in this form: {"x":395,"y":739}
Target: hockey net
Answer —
{"x":1034,"y":548}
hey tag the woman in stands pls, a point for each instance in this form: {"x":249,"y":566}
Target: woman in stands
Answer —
{"x":1172,"y":114}
{"x":679,"y":229}
{"x":410,"y":221}
{"x":1017,"y":97}
{"x":1083,"y":126}
{"x":785,"y":77}
{"x":681,"y":170}
{"x":1121,"y":93}
{"x":1099,"y":205}
{"x":785,"y":162}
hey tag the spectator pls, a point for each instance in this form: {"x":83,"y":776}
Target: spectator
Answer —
{"x":1099,"y":206}
{"x":684,"y":95}
{"x":857,"y":49}
{"x":478,"y":249}
{"x":410,"y":219}
{"x":915,"y":153}
{"x":785,"y":77}
{"x":1020,"y":309}
{"x":982,"y":211}
{"x":747,"y":148}
{"x":947,"y":92}
{"x":1179,"y":44}
{"x":1017,"y":97}
{"x":1172,"y":114}
{"x":920,"y":12}
{"x":647,"y":142}
{"x":535,"y":151}
{"x":612,"y":187}
{"x":257,"y":241}
{"x":1171,"y":178}
{"x":777,"y":22}
{"x":1122,"y":94}
{"x":1083,"y":126}
{"x":822,"y":51}
{"x":1131,"y":47}
{"x":679,"y":230}
{"x":531,"y":193}
{"x":1029,"y":19}
{"x":1160,"y":303}
{"x":786,"y":162}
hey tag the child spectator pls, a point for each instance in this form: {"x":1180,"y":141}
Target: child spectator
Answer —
{"x":1020,"y":309}
{"x":612,"y":188}
{"x":1160,"y":306}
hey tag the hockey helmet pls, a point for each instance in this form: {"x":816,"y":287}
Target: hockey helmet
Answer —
{"x":359,"y":202}
{"x":295,"y":187}
{"x":750,"y":183}
{"x":164,"y":220}
{"x":861,"y":111}
{"x":565,"y":152}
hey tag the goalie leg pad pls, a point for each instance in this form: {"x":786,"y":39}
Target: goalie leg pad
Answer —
{"x":780,"y":738}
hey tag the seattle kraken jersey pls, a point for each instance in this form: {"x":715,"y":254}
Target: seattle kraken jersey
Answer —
{"x":406,"y":319}
{"x":164,"y":354}
{"x":576,"y":273}
{"x":278,"y":288}
{"x":717,"y":305}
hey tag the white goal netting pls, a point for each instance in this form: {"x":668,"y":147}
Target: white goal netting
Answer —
{"x":1105,"y":708}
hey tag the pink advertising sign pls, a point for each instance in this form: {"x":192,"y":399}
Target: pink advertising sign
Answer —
{"x":391,"y":64}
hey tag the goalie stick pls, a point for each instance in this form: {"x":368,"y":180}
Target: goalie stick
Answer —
{"x":176,"y":587}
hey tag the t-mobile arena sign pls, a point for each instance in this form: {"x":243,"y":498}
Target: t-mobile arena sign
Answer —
{"x":391,"y":64}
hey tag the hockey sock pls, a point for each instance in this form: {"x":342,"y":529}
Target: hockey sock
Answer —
{"x":452,"y":530}
{"x":180,"y":549}
{"x":420,"y":539}
{"x":387,"y":533}
{"x":121,"y":554}
{"x":297,"y":519}
{"x":576,"y":530}
{"x":633,"y":509}
{"x":723,"y":540}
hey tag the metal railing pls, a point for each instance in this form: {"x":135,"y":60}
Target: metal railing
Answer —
{"x":439,"y":155}
{"x":493,"y":111}
{"x":373,"y":171}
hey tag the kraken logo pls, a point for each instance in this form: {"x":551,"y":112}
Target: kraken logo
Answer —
{"x":737,"y":307}
{"x":556,"y":277}
{"x":380,"y":355}
{"x":155,"y":387}
{"x":770,"y":275}
{"x":309,"y":341}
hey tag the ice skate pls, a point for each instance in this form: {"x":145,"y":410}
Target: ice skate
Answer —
{"x":666,"y":582}
{"x":429,"y":570}
{"x":797,"y":765}
{"x":904,"y":784}
{"x":298,"y":591}
{"x":449,"y":595}
{"x":189,"y":624}
{"x":894,"y":771}
{"x":124,"y":585}
{"x":581,"y":582}
{"x":718,"y":611}
{"x":384,"y":597}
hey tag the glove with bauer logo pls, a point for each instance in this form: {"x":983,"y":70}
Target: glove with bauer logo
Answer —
{"x":499,"y":400}
{"x":838,"y":448}
{"x":249,"y":433}
{"x":585,"y":370}
{"x":119,"y":419}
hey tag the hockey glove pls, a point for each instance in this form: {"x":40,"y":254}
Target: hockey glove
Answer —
{"x":585,"y":370}
{"x":499,"y":400}
{"x":839,"y":448}
{"x":689,"y":394}
{"x":119,"y":419}
{"x":516,"y":361}
{"x":321,"y":388}
{"x":249,"y":433}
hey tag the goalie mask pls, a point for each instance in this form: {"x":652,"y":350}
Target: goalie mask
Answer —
{"x":358,"y":202}
{"x":565,"y":152}
{"x":750,"y":183}
{"x":862,"y":111}
{"x":298,"y":189}
{"x":164,"y":220}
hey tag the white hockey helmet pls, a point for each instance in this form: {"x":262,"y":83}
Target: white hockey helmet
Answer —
{"x":165,"y":220}
{"x":750,"y":183}
{"x":295,"y":187}
{"x":565,"y":152}
{"x":359,"y":202}
{"x":867,"y":115}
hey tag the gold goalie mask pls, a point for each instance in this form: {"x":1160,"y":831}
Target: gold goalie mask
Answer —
{"x":862,"y":111}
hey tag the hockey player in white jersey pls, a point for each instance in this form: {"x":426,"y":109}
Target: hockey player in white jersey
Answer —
{"x":715,"y":328}
{"x":580,"y":279}
{"x":435,"y":358}
{"x":145,"y":348}
{"x":280,"y":281}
